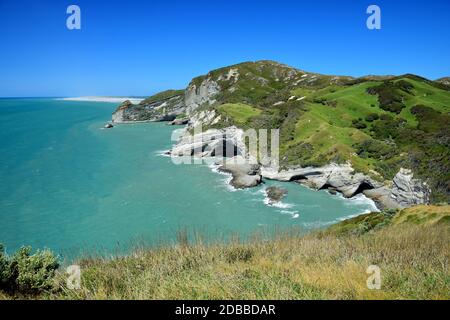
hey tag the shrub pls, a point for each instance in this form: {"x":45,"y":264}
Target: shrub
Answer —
{"x":5,"y":269}
{"x":320,"y":100}
{"x":387,"y":127}
{"x":430,"y":120}
{"x":27,"y":273}
{"x":359,"y":124}
{"x":372,"y":117}
{"x":388,"y":96}
{"x":404,"y":86}
{"x":375,"y":149}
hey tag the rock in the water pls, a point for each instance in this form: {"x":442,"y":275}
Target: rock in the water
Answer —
{"x":275,"y":194}
{"x":109,"y":126}
{"x":245,"y":175}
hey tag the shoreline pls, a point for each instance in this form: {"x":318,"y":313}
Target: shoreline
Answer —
{"x":215,"y":164}
{"x":102,"y":99}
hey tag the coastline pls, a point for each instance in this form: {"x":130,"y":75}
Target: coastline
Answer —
{"x":102,"y":99}
{"x":215,"y":165}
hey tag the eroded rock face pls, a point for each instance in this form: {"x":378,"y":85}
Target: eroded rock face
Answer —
{"x":339,"y":177}
{"x":163,"y":110}
{"x":405,"y":191}
{"x":224,"y":147}
{"x":408,"y":191}
{"x":224,"y":143}
{"x":204,"y":118}
{"x":119,"y":115}
{"x":195,"y":95}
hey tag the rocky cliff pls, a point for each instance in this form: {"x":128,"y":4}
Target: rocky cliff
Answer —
{"x":162,"y":107}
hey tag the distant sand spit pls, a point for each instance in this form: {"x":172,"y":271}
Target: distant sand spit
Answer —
{"x":104,"y":99}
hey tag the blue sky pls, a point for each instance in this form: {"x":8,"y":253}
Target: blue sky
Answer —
{"x":141,"y":47}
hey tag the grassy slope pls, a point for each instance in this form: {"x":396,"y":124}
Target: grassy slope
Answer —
{"x":328,"y":127}
{"x":413,"y":257}
{"x":240,"y":113}
{"x":162,"y":96}
{"x":334,"y":120}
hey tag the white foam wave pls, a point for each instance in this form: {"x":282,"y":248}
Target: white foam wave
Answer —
{"x":215,"y":168}
{"x":293,"y":214}
{"x":279,"y":204}
{"x":360,"y":199}
{"x":163,"y":153}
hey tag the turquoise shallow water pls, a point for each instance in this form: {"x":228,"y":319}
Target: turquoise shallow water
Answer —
{"x":69,"y":185}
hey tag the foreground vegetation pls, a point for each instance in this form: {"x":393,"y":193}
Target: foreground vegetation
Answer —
{"x":411,"y":247}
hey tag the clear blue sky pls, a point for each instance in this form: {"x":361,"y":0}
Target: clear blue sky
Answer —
{"x":140,"y":47}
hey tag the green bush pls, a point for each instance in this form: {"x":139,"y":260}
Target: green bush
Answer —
{"x":359,"y":124}
{"x":372,"y":117}
{"x":27,"y":273}
{"x":5,"y":269}
{"x":375,"y":149}
{"x":389,"y":97}
{"x":404,"y":86}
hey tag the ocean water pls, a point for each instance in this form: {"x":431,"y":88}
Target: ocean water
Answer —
{"x":69,"y":185}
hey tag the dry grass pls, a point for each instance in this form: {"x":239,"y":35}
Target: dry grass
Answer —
{"x":413,"y":261}
{"x":413,"y":257}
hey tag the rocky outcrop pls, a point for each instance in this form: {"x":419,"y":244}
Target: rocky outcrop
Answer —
{"x":408,"y":191}
{"x":225,"y":148}
{"x":118,"y":116}
{"x":444,"y":81}
{"x":244,"y":174}
{"x":339,"y":177}
{"x":275,"y":194}
{"x":161,"y":110}
{"x":405,"y":191}
{"x":204,"y":118}
{"x":219,"y":143}
{"x":199,"y":94}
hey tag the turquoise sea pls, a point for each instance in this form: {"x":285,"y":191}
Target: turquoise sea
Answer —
{"x":69,"y":185}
